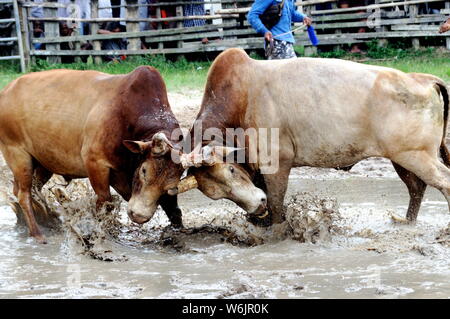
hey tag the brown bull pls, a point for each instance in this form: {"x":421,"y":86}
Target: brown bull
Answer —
{"x":84,"y":124}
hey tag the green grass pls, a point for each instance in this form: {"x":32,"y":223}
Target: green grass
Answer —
{"x":182,"y":75}
{"x":179,"y":75}
{"x":439,"y":66}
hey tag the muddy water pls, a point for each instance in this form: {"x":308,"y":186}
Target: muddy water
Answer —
{"x":366,"y":254}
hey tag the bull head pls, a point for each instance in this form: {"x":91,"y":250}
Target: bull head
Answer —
{"x":218,"y":179}
{"x":155,"y":175}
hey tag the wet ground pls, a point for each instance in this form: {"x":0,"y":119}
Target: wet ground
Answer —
{"x":339,"y":241}
{"x":364,"y":255}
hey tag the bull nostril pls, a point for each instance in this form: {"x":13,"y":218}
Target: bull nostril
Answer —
{"x":263,"y":200}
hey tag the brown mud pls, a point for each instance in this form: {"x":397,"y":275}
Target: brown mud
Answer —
{"x":338,"y":240}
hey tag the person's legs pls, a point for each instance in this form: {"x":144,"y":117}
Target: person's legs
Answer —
{"x":281,"y":50}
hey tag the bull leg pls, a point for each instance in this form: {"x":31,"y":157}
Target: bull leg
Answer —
{"x":258,"y":181}
{"x":428,"y":168}
{"x":275,"y":186}
{"x":99,"y":177}
{"x":416,"y":188}
{"x":170,"y":206}
{"x":21,"y":164}
{"x":41,"y":175}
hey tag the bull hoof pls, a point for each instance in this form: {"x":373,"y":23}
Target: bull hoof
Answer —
{"x":40,"y":239}
{"x":400,"y":220}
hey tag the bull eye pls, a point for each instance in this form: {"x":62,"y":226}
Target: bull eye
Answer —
{"x":231,"y":169}
{"x":144,"y":171}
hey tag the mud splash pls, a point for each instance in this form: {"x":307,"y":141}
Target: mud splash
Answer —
{"x":312,"y":218}
{"x":338,"y":241}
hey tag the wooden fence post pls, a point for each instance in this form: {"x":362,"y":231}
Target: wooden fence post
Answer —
{"x":23,"y":14}
{"x":413,"y":12}
{"x":52,"y":30}
{"x":21,"y":38}
{"x":179,"y":13}
{"x":94,"y":29}
{"x":381,"y":42}
{"x":132,"y":12}
{"x":447,"y":39}
{"x":158,"y":15}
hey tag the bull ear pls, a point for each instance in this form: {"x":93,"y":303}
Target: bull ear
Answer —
{"x":136,"y":146}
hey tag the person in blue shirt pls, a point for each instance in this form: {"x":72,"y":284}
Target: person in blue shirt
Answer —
{"x":283,"y":40}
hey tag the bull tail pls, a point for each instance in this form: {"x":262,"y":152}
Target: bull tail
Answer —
{"x":445,"y":154}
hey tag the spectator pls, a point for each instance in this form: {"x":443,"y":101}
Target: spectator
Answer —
{"x":194,"y":10}
{"x":85,"y":13}
{"x":62,"y":12}
{"x":279,"y":37}
{"x":355,"y":48}
{"x":38,"y":26}
{"x":144,"y":14}
{"x":105,"y":10}
{"x":113,"y":44}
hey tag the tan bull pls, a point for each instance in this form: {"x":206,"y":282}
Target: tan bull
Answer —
{"x":329,"y":113}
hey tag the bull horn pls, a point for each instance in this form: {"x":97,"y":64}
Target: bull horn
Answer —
{"x":224,"y":151}
{"x":160,"y":144}
{"x":191,"y":159}
{"x":186,"y":184}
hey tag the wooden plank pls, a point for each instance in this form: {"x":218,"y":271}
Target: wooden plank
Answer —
{"x":357,"y":16}
{"x":312,"y":2}
{"x":196,"y":36}
{"x":7,"y":20}
{"x":11,"y":57}
{"x":149,"y":33}
{"x":371,"y":7}
{"x":193,"y":47}
{"x":8,"y":39}
{"x":382,"y":22}
{"x":346,"y":38}
{"x":181,"y":3}
{"x":42,"y":4}
{"x":94,"y":29}
{"x":170,"y":19}
{"x":19,"y":36}
{"x":415,"y":27}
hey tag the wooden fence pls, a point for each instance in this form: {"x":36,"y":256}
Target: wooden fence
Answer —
{"x":224,"y":25}
{"x":10,"y":34}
